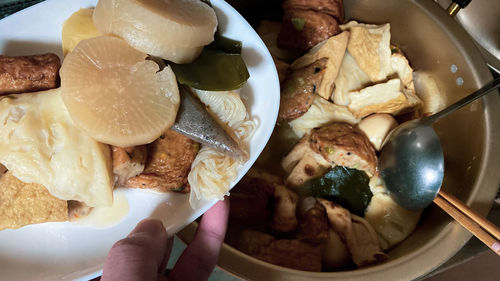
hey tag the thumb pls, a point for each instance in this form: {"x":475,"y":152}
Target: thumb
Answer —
{"x":140,"y":256}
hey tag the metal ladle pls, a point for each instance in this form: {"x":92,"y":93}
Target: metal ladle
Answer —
{"x":411,"y":163}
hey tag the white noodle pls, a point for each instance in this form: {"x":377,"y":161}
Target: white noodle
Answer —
{"x":212,"y":172}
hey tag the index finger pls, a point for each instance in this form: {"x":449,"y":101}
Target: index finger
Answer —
{"x":198,"y":260}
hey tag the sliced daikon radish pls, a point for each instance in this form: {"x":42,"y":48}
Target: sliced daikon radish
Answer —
{"x":115,"y":95}
{"x":167,"y":29}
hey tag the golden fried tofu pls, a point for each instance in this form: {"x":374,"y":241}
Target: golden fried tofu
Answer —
{"x":333,"y":49}
{"x":388,"y":97}
{"x":320,"y":113}
{"x":28,"y":203}
{"x":369,"y":44}
{"x":356,"y":233}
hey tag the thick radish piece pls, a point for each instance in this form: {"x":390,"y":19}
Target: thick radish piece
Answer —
{"x":173,"y":30}
{"x":115,"y":95}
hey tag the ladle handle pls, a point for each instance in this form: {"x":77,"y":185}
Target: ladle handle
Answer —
{"x":465,"y":101}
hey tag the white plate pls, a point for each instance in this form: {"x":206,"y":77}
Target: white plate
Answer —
{"x":67,"y":250}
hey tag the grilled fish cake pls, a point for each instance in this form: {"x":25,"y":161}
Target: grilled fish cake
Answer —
{"x":168,"y":165}
{"x":29,"y":73}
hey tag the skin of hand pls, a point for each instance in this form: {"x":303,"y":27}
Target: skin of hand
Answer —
{"x":144,"y":253}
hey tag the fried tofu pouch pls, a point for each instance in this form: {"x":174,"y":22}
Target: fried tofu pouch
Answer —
{"x":28,"y":203}
{"x":39,"y":143}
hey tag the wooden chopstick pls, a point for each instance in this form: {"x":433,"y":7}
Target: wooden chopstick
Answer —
{"x":468,"y":223}
{"x":484,"y":223}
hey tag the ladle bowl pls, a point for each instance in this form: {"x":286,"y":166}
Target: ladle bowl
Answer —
{"x":411,"y":162}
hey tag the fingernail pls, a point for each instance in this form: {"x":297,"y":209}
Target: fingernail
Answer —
{"x":148,"y":227}
{"x":496,"y":247}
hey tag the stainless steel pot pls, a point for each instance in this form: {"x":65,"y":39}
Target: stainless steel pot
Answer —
{"x":481,"y":19}
{"x":436,"y":44}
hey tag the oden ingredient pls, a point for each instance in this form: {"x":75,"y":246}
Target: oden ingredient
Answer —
{"x":298,"y":90}
{"x":115,"y":95}
{"x":173,"y":30}
{"x":40,"y":144}
{"x":341,"y":144}
{"x":28,"y":73}
{"x":306,"y":23}
{"x":348,"y":187}
{"x":76,"y":28}
{"x":168,"y":165}
{"x":27,"y":203}
{"x":376,"y":127}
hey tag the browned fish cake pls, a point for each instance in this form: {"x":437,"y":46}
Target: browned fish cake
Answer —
{"x":29,"y":73}
{"x":334,"y":8}
{"x":291,"y":253}
{"x":251,"y":200}
{"x":168,"y":165}
{"x":341,"y":144}
{"x":28,"y":203}
{"x":303,"y":29}
{"x":298,"y":89}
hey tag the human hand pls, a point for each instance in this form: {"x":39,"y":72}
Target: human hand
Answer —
{"x":144,"y":254}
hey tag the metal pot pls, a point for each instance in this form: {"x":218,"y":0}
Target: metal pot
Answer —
{"x":479,"y":18}
{"x":434,"y":43}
